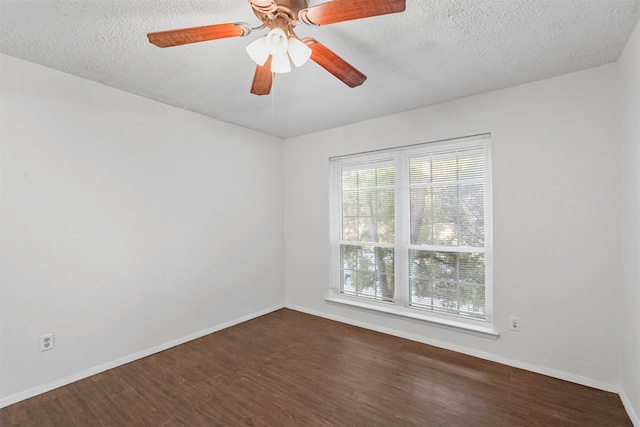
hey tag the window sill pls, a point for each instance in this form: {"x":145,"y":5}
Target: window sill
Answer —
{"x":477,"y":330}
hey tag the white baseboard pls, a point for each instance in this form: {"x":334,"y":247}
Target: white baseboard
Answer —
{"x":629,"y":408}
{"x":566,"y":376}
{"x":15,"y":398}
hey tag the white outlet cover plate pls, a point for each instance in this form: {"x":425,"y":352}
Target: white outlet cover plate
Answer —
{"x":515,"y":324}
{"x":46,"y":342}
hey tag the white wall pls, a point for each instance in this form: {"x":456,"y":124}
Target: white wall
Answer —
{"x":556,"y":210}
{"x":629,"y":77}
{"x":126,"y":225}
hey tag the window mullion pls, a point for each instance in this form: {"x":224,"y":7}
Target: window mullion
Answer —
{"x":403,"y":221}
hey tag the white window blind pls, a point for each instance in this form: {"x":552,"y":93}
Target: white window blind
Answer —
{"x":367,"y":199}
{"x":412,"y":227}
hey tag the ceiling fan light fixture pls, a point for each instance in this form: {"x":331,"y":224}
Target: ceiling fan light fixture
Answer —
{"x":258,"y":51}
{"x":275,"y":52}
{"x":298,"y":52}
{"x":280,"y":63}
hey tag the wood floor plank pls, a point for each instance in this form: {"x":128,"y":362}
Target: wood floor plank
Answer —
{"x":292,"y":369}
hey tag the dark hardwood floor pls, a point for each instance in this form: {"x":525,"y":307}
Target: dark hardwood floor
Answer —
{"x":292,"y":369}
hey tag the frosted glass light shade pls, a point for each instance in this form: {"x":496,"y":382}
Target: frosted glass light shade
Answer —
{"x":280,"y":63}
{"x":258,"y":51}
{"x":276,"y":42}
{"x":298,"y":52}
{"x":282,"y":50}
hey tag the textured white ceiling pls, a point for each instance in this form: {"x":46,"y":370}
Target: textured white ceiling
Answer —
{"x":435,"y":51}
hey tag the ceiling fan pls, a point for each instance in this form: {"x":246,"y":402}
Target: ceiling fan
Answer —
{"x":275,"y":52}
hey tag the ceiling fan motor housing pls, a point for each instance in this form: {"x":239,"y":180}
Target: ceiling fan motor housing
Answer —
{"x":291,"y":8}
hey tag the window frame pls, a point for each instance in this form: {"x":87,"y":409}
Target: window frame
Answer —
{"x":400,"y":306}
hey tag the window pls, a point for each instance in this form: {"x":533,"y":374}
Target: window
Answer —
{"x":411,"y":229}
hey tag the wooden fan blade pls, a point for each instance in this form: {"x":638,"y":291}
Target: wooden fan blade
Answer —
{"x":337,"y":66}
{"x":198,"y":34}
{"x":263,"y":79}
{"x":346,"y":10}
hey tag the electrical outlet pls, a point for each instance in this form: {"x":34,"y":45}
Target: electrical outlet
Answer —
{"x":515,"y":324}
{"x":46,"y":342}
